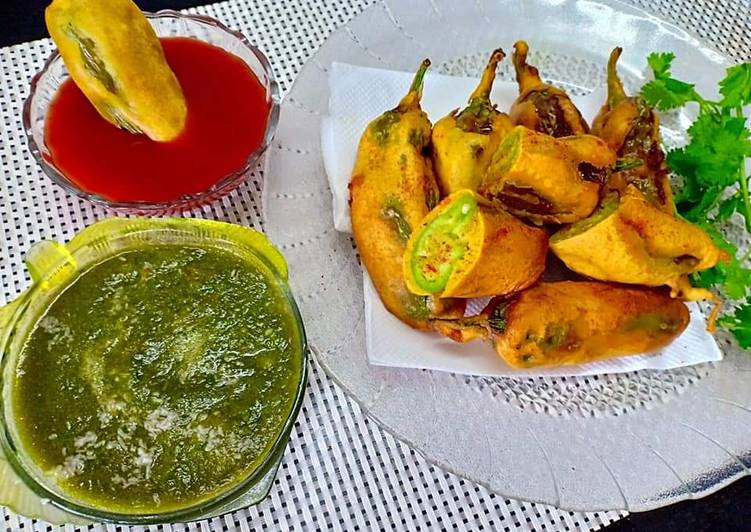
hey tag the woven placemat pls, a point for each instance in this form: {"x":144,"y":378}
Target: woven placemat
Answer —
{"x":340,"y":471}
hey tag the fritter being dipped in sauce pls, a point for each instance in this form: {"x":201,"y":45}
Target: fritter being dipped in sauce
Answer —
{"x":162,"y":123}
{"x":115,"y":58}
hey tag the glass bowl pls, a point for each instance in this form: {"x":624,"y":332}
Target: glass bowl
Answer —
{"x":54,"y":266}
{"x":166,"y":23}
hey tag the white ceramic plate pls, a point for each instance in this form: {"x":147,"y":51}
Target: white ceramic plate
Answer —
{"x":632,"y":441}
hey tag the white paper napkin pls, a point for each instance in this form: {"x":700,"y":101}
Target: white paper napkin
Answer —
{"x":359,"y":94}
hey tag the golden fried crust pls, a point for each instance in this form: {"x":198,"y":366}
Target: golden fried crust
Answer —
{"x":590,"y":149}
{"x":578,"y":322}
{"x":392,"y":189}
{"x":464,"y":141}
{"x":462,"y":330}
{"x":636,"y":244}
{"x":541,"y":106}
{"x":613,"y":124}
{"x":389,"y":196}
{"x":461,"y":157}
{"x":632,"y":129}
{"x":548,"y":110}
{"x":543,"y":179}
{"x":116,"y":59}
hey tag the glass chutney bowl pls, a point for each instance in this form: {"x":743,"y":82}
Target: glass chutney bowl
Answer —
{"x":54,"y":267}
{"x":166,"y":23}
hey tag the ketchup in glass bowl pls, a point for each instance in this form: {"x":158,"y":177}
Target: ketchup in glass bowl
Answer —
{"x":232,"y":112}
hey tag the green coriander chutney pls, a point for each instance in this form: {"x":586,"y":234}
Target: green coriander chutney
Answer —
{"x":158,"y":379}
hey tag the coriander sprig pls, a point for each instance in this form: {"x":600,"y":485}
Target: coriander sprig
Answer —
{"x":713,"y":168}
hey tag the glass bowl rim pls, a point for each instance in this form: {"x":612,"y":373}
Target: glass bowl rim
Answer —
{"x":199,"y":229}
{"x":221,"y":187}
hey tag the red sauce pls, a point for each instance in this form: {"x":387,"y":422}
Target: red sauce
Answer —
{"x":227,"y":116}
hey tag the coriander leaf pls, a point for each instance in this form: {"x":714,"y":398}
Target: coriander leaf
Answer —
{"x":719,"y":145}
{"x":739,"y":323}
{"x":681,"y":89}
{"x":736,"y":86}
{"x":697,"y":211}
{"x":693,"y":200}
{"x":707,"y":278}
{"x":660,"y":63}
{"x":668,"y":93}
{"x":718,"y":239}
{"x":731,"y":276}
{"x":736,"y":279}
{"x":728,"y":207}
{"x":683,"y":164}
{"x":713,"y":160}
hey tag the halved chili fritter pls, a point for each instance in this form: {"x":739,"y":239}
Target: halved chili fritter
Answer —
{"x":465,"y":249}
{"x":631,"y":240}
